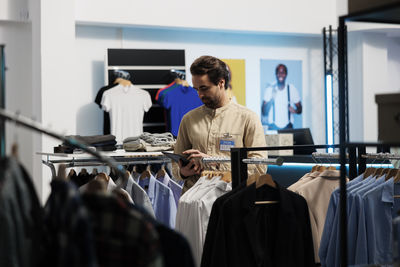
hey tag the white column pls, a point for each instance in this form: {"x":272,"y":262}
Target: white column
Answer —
{"x":53,"y":28}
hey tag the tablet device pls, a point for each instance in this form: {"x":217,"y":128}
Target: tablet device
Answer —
{"x":176,"y":157}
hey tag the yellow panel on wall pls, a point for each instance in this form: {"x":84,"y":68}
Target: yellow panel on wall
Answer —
{"x":238,"y":72}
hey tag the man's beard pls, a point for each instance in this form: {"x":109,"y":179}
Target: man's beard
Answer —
{"x":210,"y":103}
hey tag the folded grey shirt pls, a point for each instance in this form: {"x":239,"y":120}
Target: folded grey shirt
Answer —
{"x":161,"y":139}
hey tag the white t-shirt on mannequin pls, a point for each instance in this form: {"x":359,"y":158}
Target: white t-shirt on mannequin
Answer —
{"x":278,"y":113}
{"x":126,"y":105}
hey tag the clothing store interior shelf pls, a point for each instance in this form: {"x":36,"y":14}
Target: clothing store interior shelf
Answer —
{"x":386,"y":14}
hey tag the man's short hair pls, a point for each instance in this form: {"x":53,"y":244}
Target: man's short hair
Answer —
{"x":281,"y":65}
{"x":215,"y":68}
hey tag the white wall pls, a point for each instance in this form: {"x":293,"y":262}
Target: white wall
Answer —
{"x":374,"y":64}
{"x":341,"y":8}
{"x":284,"y":16}
{"x":14,"y":10}
{"x":92,"y":42}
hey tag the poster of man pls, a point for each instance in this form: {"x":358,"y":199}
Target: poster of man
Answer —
{"x":281,"y":92}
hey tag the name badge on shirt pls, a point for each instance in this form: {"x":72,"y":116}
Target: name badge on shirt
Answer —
{"x":226,"y":142}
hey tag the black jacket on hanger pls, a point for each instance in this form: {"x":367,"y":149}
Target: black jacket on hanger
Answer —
{"x":262,"y":235}
{"x":210,"y":243}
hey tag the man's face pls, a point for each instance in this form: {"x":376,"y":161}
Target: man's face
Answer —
{"x":209,"y":93}
{"x":281,"y":74}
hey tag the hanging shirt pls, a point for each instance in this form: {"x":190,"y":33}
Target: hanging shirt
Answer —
{"x":175,"y":187}
{"x":353,"y":218}
{"x":128,"y":185}
{"x":21,"y":218}
{"x":333,"y":258}
{"x":327,"y":247}
{"x":194,"y":211}
{"x":65,"y":210}
{"x":140,"y":198}
{"x":162,"y":200}
{"x":121,"y":234}
{"x":333,"y":248}
{"x":317,"y":194}
{"x":99,"y":96}
{"x":203,"y":208}
{"x":178,"y":102}
{"x":374,"y":244}
{"x":161,"y":91}
{"x":303,"y":180}
{"x":263,"y":235}
{"x":126,"y":105}
{"x":181,"y":220}
{"x":135,"y":176}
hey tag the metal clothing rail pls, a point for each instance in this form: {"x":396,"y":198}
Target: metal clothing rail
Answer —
{"x":381,"y":156}
{"x":276,"y":161}
{"x":90,"y":163}
{"x":326,"y":155}
{"x":35,"y":126}
{"x":239,"y":168}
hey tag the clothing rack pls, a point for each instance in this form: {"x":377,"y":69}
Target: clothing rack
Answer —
{"x":267,"y":161}
{"x":381,"y":156}
{"x":357,"y":165}
{"x":318,"y":155}
{"x":73,"y":164}
{"x":238,"y":156}
{"x":35,"y":126}
{"x":74,"y":160}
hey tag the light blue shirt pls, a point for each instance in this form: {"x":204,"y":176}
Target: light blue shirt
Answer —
{"x":396,"y":240}
{"x":327,"y":246}
{"x":353,"y":217}
{"x":375,"y":225}
{"x":333,"y":257}
{"x":162,"y":200}
{"x":175,"y":187}
{"x":375,"y":245}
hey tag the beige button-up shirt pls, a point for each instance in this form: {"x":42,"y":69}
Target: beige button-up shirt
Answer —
{"x":204,"y":128}
{"x":317,"y":193}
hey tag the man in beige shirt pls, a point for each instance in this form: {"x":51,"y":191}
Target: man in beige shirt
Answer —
{"x":213,"y":128}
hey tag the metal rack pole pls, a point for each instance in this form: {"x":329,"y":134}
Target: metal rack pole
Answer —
{"x":2,"y":100}
{"x":342,"y":141}
{"x":352,"y":162}
{"x":238,"y":167}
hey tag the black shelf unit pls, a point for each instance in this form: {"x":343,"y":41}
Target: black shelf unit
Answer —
{"x":150,"y":70}
{"x":389,"y":13}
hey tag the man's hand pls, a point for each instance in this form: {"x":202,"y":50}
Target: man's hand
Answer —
{"x":292,"y":110}
{"x":298,"y":109}
{"x":194,"y":166}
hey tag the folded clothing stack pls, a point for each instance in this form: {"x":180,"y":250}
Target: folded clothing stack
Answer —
{"x":149,"y":142}
{"x":100,"y":142}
